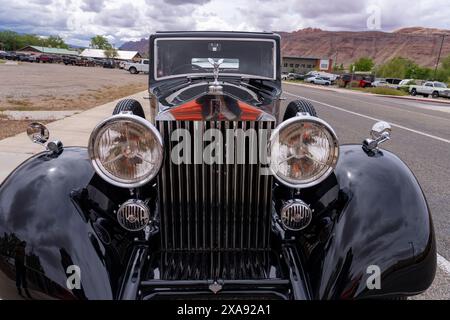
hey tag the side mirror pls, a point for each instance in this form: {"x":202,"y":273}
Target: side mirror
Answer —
{"x":381,"y":132}
{"x":381,"y":128}
{"x":38,"y":133}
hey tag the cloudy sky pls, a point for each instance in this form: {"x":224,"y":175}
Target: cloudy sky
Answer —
{"x":78,"y":20}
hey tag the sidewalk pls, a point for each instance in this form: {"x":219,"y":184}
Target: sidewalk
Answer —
{"x":443,"y":101}
{"x":72,"y":131}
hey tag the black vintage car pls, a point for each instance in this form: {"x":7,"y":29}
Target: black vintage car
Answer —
{"x":222,"y":192}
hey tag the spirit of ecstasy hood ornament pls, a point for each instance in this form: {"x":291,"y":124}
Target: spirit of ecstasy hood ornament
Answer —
{"x":215,"y":87}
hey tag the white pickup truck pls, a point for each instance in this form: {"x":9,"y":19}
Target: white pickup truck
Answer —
{"x":136,"y":67}
{"x":434,"y":88}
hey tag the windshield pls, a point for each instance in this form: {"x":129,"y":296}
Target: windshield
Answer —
{"x":250,"y":58}
{"x":440,"y":85}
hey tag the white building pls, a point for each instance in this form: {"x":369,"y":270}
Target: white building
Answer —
{"x":121,"y":54}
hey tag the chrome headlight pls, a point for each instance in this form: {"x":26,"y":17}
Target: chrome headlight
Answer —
{"x":126,"y":150}
{"x":304,"y":151}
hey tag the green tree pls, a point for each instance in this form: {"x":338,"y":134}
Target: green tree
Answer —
{"x":403,"y":68}
{"x":418,"y":72}
{"x":364,"y":64}
{"x":100,"y":42}
{"x":55,"y":42}
{"x":395,"y":68}
{"x":443,"y":73}
{"x":11,"y":40}
{"x":111,"y":53}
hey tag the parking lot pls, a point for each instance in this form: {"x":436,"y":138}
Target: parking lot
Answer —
{"x":29,"y":87}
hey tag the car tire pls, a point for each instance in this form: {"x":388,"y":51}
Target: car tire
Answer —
{"x":133,"y":70}
{"x":129,"y":105}
{"x":435,"y":95}
{"x":297,"y":106}
{"x":413,"y":92}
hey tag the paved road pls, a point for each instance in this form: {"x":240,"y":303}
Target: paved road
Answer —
{"x":420,"y":137}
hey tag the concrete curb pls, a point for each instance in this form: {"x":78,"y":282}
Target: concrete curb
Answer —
{"x":72,"y":131}
{"x":446,"y":102}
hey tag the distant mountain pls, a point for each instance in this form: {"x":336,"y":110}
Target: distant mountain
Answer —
{"x":141,"y":46}
{"x":416,"y":43}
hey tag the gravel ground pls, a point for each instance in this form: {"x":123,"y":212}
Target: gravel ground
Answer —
{"x":38,"y":80}
{"x":55,"y":87}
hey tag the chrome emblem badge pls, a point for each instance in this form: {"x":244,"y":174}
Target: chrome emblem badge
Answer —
{"x":215,"y":287}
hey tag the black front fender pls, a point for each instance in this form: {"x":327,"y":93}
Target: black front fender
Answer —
{"x":36,"y":206}
{"x":384,"y":222}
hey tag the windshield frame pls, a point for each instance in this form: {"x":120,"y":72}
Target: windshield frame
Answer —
{"x":195,"y":74}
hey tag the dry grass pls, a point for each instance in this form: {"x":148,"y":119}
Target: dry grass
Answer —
{"x":21,"y":104}
{"x":10,"y":128}
{"x":383,"y":91}
{"x":89,"y":99}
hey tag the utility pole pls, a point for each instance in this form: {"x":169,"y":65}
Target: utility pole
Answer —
{"x":335,"y":59}
{"x":439,"y":57}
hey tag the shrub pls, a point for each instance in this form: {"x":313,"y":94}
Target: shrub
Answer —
{"x":386,"y":91}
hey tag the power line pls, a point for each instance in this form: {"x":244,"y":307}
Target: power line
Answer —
{"x":439,"y":56}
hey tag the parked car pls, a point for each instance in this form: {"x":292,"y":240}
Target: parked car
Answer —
{"x":393,"y":81}
{"x":321,"y":80}
{"x":434,"y":88}
{"x":83,"y":62}
{"x":159,"y":209}
{"x":45,"y":58}
{"x":20,"y":56}
{"x":405,"y":84}
{"x":136,"y":67}
{"x":380,"y":83}
{"x":109,"y":63}
{"x":362,"y":80}
{"x":13,"y":56}
{"x":331,"y":76}
{"x":3,"y":54}
{"x":68,"y":60}
{"x":122,"y":64}
{"x":309,"y":79}
{"x":8,"y":55}
{"x":32,"y":58}
{"x":295,"y":76}
{"x":57,"y":58}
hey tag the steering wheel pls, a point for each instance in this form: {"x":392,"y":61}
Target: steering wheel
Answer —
{"x":192,"y":67}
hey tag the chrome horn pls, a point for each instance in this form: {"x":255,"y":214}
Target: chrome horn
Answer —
{"x":381,"y":132}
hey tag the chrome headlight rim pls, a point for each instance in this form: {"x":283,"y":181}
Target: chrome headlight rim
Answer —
{"x":103,"y":173}
{"x":334,"y":141}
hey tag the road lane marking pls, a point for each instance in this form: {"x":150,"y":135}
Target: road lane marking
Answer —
{"x":443,"y":263}
{"x":401,"y":107}
{"x":371,"y":118}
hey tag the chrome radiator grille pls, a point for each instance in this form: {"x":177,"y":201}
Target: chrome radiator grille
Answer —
{"x":214,"y":206}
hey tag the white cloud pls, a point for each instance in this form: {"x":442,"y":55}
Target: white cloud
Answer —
{"x":78,"y":20}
